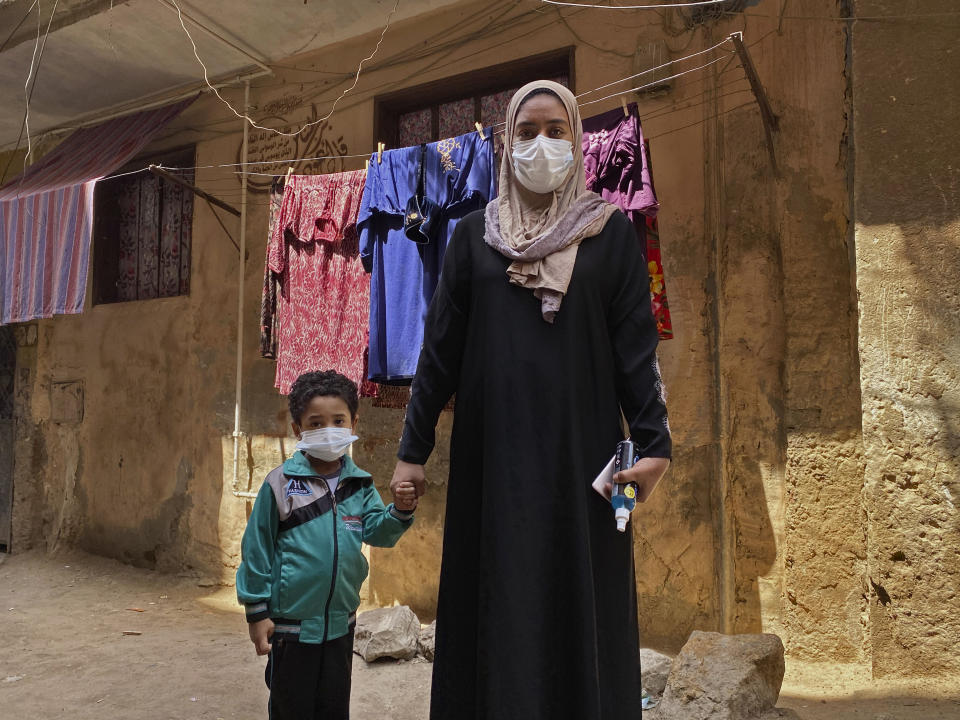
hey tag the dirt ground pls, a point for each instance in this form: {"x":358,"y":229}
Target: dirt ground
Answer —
{"x":65,"y":653}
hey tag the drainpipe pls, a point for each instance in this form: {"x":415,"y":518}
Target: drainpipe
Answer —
{"x":714,"y":226}
{"x":238,"y":392}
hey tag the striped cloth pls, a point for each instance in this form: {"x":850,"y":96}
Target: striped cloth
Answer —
{"x":46,"y":216}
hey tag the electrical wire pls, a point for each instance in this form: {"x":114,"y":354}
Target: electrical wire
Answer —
{"x":839,"y":18}
{"x":17,"y":27}
{"x":659,"y":67}
{"x":250,"y":120}
{"x":661,"y":6}
{"x":290,"y":161}
{"x":702,"y":120}
{"x":28,"y":94}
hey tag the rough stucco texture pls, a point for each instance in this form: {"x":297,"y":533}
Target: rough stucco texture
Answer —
{"x":907,"y":195}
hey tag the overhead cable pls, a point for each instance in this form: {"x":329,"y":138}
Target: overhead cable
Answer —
{"x":658,"y":67}
{"x":28,"y":87}
{"x":289,"y":161}
{"x":250,"y":120}
{"x":661,"y":6}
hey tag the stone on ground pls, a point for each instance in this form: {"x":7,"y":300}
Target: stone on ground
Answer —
{"x":655,"y":668}
{"x":427,"y":640}
{"x":392,"y":632}
{"x":724,"y":677}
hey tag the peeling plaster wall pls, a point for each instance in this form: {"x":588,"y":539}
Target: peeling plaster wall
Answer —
{"x":762,"y":521}
{"x":907,"y":204}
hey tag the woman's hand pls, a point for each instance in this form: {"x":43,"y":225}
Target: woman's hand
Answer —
{"x":646,"y":474}
{"x":408,"y":473}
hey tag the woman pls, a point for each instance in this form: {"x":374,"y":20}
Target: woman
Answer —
{"x":542,"y":327}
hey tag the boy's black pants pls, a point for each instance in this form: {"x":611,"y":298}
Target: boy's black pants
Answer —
{"x":309,"y":681}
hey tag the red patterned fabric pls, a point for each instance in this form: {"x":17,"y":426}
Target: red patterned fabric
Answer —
{"x":658,"y":291}
{"x":323,"y":303}
{"x":456,"y":118}
{"x":416,"y":127}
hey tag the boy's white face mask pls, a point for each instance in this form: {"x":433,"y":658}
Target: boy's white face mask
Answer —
{"x":327,"y":444}
{"x":542,"y":164}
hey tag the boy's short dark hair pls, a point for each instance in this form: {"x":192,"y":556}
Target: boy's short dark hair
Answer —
{"x":322,"y":383}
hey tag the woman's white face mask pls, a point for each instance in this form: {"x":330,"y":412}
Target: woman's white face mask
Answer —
{"x":327,"y":444}
{"x":542,"y":164}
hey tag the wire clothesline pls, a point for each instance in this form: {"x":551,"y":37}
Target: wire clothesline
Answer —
{"x":661,"y":6}
{"x":234,"y":192}
{"x":290,"y":161}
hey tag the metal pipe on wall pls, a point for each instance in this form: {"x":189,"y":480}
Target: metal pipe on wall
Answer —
{"x":238,"y":392}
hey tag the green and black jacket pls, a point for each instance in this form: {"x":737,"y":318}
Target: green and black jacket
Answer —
{"x":301,"y":561}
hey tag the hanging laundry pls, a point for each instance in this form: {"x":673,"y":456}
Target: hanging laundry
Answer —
{"x":658,"y":290}
{"x":46,"y":215}
{"x":268,"y":300}
{"x":322,"y":303}
{"x":404,"y":254}
{"x":617,"y":163}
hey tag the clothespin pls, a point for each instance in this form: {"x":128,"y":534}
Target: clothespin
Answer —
{"x":366,"y":164}
{"x":479,"y":128}
{"x":380,"y":148}
{"x":289,"y":173}
{"x":623,"y":104}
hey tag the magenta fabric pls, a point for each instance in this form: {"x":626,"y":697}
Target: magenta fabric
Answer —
{"x":615,"y":161}
{"x":618,"y":166}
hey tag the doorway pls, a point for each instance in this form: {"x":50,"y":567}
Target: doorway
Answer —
{"x":8,"y":369}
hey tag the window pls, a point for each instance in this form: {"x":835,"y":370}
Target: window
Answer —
{"x":142,"y":233}
{"x":451,"y":106}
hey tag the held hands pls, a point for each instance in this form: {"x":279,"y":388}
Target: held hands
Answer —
{"x":408,"y":484}
{"x":260,"y":634}
{"x":646,"y":474}
{"x":405,"y":496}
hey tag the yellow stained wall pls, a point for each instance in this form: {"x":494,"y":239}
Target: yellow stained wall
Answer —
{"x":761,"y":522}
{"x":907,"y":204}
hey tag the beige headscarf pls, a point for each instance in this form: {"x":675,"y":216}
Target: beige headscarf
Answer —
{"x":541,"y":233}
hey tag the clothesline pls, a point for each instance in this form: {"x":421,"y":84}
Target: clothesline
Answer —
{"x":654,"y":115}
{"x":661,"y":6}
{"x":291,"y":161}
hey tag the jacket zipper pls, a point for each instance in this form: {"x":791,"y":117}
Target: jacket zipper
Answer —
{"x":336,"y":563}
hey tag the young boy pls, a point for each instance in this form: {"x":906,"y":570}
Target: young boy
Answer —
{"x":301,"y":567}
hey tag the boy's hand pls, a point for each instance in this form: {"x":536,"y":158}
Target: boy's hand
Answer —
{"x":404,"y":496}
{"x":409,"y":473}
{"x":260,"y":634}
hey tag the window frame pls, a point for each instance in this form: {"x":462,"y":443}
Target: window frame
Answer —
{"x":388,"y":108}
{"x":105,"y":250}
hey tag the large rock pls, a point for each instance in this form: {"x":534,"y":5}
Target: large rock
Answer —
{"x":655,"y":668}
{"x":392,"y":632}
{"x":427,"y":640}
{"x":723,"y":677}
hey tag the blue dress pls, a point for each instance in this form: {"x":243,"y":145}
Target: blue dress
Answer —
{"x":459,"y":177}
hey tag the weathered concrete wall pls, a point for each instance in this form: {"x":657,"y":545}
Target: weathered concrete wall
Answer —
{"x":761,"y":522}
{"x":907,"y":205}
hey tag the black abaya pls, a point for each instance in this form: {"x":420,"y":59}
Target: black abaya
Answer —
{"x":537,"y":615}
